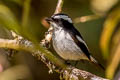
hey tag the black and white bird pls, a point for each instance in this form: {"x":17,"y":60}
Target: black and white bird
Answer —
{"x":67,"y":41}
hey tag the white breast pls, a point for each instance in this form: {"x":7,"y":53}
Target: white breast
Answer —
{"x":65,"y":46}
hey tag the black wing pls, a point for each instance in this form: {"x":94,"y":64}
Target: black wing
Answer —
{"x":80,"y":44}
{"x":74,"y":33}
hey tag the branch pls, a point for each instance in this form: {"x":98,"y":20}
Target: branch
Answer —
{"x":86,"y":18}
{"x":77,"y":74}
{"x":50,"y":60}
{"x":29,"y":46}
{"x":59,"y":6}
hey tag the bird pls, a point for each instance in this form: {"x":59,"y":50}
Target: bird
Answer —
{"x":67,"y":40}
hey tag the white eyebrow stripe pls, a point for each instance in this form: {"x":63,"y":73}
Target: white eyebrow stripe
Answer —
{"x":63,"y":17}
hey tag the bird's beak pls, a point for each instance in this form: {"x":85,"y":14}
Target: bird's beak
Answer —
{"x":49,"y":20}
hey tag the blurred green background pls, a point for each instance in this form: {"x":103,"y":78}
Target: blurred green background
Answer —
{"x":24,"y":66}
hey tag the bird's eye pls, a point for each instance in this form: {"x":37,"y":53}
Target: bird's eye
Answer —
{"x":56,"y":20}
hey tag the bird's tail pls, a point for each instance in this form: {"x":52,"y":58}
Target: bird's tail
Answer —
{"x":96,"y":62}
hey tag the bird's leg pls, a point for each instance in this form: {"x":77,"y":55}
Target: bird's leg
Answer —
{"x":76,"y":62}
{"x":67,"y":62}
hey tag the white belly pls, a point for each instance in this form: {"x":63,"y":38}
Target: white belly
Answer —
{"x":65,"y":46}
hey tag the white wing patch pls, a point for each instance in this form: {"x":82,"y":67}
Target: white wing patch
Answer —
{"x":63,"y":17}
{"x":81,"y":40}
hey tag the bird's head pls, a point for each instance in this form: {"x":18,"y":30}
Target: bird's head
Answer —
{"x":59,"y":20}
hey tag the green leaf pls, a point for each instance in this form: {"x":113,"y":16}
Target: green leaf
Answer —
{"x":8,"y":20}
{"x":19,"y":2}
{"x":110,"y":42}
{"x":115,"y":56}
{"x":109,"y":28}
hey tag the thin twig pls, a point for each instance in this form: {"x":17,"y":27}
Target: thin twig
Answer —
{"x":59,"y":6}
{"x":86,"y":18}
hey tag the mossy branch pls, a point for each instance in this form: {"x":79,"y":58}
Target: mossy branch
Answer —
{"x":54,"y":63}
